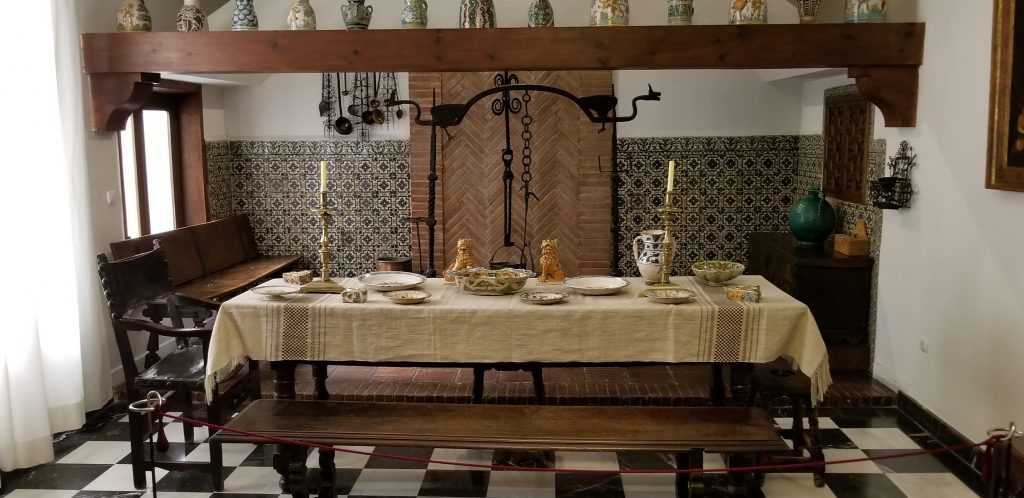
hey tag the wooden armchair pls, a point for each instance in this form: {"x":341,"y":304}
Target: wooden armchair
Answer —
{"x":133,"y":288}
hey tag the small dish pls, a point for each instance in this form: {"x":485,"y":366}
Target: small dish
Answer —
{"x":597,"y":286}
{"x":671,"y":296}
{"x":543,"y":298}
{"x":274,"y":292}
{"x":388,"y":281}
{"x":407,"y":297}
{"x":486,"y":282}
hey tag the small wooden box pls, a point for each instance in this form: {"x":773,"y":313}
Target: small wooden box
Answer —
{"x":851,"y":246}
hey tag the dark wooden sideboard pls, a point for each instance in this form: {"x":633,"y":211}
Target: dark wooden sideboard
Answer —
{"x":837,"y":288}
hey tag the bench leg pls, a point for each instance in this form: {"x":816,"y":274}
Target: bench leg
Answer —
{"x":538,"y":384}
{"x":327,"y":488}
{"x":137,"y":434}
{"x":289,"y":462}
{"x":690,"y":485}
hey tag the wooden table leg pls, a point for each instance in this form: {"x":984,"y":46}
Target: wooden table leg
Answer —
{"x":717,"y":384}
{"x":289,"y":461}
{"x":320,"y":382}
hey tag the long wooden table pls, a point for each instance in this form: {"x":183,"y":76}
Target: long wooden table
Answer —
{"x":459,"y":329}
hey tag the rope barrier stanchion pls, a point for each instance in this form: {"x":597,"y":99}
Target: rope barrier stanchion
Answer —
{"x":994,"y":437}
{"x":152,"y":406}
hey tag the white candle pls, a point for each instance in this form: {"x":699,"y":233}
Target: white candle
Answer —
{"x":671,"y":176}
{"x":323,"y":176}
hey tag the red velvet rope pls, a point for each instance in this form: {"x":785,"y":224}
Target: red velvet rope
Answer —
{"x":753,"y":468}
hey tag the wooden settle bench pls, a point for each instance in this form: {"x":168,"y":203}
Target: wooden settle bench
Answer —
{"x":212,"y":261}
{"x":687,"y":432}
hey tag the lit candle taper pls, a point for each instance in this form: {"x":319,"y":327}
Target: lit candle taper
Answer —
{"x":323,"y":176}
{"x":671,"y":176}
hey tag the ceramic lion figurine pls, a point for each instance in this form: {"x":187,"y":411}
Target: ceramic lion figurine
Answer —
{"x":463,"y":259}
{"x":550,"y":265}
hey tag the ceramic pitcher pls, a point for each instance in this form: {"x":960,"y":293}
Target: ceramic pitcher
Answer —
{"x":541,"y":15}
{"x":191,"y":17}
{"x":648,"y":251}
{"x":301,"y":16}
{"x":356,"y":15}
{"x":609,"y":13}
{"x":244,"y":18}
{"x":477,"y":14}
{"x":866,"y":10}
{"x":748,"y":11}
{"x":680,"y":12}
{"x":134,"y":16}
{"x":414,"y":14}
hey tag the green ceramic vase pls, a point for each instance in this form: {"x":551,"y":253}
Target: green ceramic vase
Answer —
{"x":812,"y":219}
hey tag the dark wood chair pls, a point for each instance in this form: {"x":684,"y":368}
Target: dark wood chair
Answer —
{"x":777,"y":381}
{"x":134,"y":287}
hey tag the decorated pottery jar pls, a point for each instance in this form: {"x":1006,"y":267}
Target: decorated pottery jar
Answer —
{"x":648,"y":252}
{"x":414,"y":14}
{"x":748,"y":11}
{"x":609,"y":13}
{"x":808,"y":9}
{"x":244,"y":18}
{"x":866,"y":10}
{"x":356,"y":14}
{"x":680,"y":12}
{"x":191,"y":17}
{"x":477,"y":14}
{"x":541,"y":14}
{"x":134,"y":16}
{"x":301,"y":16}
{"x":812,"y":219}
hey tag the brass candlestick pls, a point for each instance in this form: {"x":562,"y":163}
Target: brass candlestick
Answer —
{"x":668,"y":215}
{"x":325,"y":284}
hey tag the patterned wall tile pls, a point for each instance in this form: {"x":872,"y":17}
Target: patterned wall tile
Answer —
{"x":218,"y":173}
{"x":729,"y":187}
{"x":276,"y":184}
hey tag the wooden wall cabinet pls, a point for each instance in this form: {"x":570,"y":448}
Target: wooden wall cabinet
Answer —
{"x":836,"y":288}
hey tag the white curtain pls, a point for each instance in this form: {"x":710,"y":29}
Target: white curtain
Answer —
{"x":52,"y":336}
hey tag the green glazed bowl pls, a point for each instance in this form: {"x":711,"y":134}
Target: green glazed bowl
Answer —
{"x":717,"y":273}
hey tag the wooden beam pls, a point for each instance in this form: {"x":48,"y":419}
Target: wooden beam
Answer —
{"x":768,"y":46}
{"x":115,"y":96}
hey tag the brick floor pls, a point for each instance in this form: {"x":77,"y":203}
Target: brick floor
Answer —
{"x":654,"y":385}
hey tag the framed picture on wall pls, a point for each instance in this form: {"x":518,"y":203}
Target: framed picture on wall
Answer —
{"x":1006,"y":126}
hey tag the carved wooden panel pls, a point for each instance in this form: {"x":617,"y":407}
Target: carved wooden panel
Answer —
{"x":848,"y":131}
{"x":574,"y":204}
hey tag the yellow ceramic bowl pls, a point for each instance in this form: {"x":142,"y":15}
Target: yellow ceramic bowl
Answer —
{"x":717,"y":273}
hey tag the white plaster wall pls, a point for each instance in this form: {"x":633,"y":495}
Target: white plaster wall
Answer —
{"x":285,"y":105}
{"x":951,"y":270}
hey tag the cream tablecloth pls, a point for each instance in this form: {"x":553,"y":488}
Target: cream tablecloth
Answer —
{"x":459,"y":328}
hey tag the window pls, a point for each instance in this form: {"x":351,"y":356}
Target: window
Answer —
{"x":150,"y":173}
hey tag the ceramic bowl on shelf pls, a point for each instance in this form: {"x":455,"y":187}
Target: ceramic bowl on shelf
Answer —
{"x":597,"y":286}
{"x":671,"y":296}
{"x":485,"y":282}
{"x":388,"y":281}
{"x":407,"y":297}
{"x":543,"y":297}
{"x":275,"y":292}
{"x":717,"y":273}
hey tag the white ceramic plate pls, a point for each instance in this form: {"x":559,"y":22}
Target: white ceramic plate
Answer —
{"x":597,"y":286}
{"x":275,"y":292}
{"x":671,"y":296}
{"x":408,"y":296}
{"x":543,"y":298}
{"x":387,"y":281}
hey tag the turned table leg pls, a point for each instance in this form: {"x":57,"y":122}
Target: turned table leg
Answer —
{"x":289,"y":461}
{"x":327,"y":489}
{"x":320,"y":382}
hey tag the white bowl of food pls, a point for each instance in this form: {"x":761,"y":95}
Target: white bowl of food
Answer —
{"x":407,"y":297}
{"x":597,"y":286}
{"x":389,"y":281}
{"x":274,"y":292}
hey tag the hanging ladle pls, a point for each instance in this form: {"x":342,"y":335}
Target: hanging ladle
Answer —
{"x":327,"y":95}
{"x":342,"y":125}
{"x":374,"y":103}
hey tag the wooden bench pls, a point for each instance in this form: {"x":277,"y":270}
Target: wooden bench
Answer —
{"x":685,"y":432}
{"x":212,"y":261}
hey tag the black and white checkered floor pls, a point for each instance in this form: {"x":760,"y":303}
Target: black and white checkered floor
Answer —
{"x":96,"y":464}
